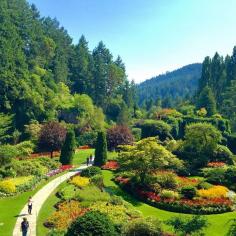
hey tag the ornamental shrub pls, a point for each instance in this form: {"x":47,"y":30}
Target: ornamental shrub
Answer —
{"x":68,"y":148}
{"x":222,"y":153}
{"x":7,"y":186}
{"x":97,"y":180}
{"x":87,"y":138}
{"x":119,"y":135}
{"x":136,"y":133}
{"x":92,"y":223}
{"x":169,"y":194}
{"x":91,"y":171}
{"x":80,"y":181}
{"x":152,"y":128}
{"x":139,"y":227}
{"x":213,"y":192}
{"x":101,"y":150}
{"x":189,"y":192}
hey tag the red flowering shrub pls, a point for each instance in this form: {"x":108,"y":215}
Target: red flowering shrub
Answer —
{"x":111,"y":165}
{"x":184,"y":181}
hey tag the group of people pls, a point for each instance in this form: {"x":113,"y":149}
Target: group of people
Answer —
{"x":90,"y":159}
{"x":25,"y":222}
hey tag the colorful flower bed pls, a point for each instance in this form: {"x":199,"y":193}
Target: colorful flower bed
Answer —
{"x":211,"y":201}
{"x":80,"y":181}
{"x":111,"y":165}
{"x":59,"y":170}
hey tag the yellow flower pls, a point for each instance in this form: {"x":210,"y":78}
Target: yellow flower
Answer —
{"x":80,"y":181}
{"x":213,"y":192}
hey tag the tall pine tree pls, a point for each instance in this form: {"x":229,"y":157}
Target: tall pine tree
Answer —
{"x":101,"y":150}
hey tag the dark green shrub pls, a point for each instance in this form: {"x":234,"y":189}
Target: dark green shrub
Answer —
{"x":214,"y":175}
{"x":88,"y":138}
{"x":189,"y":192}
{"x":231,"y":142}
{"x":188,"y":226}
{"x":222,"y":153}
{"x":91,"y":171}
{"x":152,"y":128}
{"x":92,"y":223}
{"x":101,"y":150}
{"x":68,"y":148}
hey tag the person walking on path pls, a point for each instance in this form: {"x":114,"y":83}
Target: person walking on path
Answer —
{"x":91,"y":158}
{"x":24,"y":226}
{"x":30,"y":205}
{"x":87,"y":161}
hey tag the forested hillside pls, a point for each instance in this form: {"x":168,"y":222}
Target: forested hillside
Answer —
{"x":43,"y":74}
{"x":172,"y":86}
{"x":217,"y":86}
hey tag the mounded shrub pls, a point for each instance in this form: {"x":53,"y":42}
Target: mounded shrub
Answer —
{"x":119,"y":135}
{"x":92,"y":223}
{"x":189,"y":192}
{"x":91,"y":171}
{"x":88,"y":138}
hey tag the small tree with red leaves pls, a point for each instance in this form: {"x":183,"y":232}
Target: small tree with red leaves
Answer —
{"x":119,"y":135}
{"x":52,"y":137}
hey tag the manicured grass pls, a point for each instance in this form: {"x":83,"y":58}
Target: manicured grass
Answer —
{"x":219,"y":223}
{"x":10,"y":207}
{"x":81,"y":156}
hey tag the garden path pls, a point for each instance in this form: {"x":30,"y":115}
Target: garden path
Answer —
{"x":38,"y":199}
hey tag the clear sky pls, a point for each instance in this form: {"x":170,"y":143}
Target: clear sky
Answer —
{"x":151,"y":36}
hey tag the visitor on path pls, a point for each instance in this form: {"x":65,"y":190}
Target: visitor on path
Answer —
{"x":30,"y":205}
{"x":87,"y":161}
{"x":24,"y":226}
{"x":91,"y":158}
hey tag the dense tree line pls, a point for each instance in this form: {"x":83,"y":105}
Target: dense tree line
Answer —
{"x":42,"y":71}
{"x":217,"y":86}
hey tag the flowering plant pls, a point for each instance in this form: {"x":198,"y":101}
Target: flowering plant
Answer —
{"x":79,"y":181}
{"x":213,"y":192}
{"x":216,"y":164}
{"x":111,"y":165}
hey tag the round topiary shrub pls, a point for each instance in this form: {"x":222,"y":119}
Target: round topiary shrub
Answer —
{"x":91,"y":171}
{"x":92,"y":223}
{"x":189,"y":192}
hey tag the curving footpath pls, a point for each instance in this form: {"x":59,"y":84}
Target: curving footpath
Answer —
{"x":38,"y":200}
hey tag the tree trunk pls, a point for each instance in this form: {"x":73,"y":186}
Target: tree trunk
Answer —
{"x":51,"y":154}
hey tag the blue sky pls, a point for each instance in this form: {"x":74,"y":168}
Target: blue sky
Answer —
{"x":151,"y":36}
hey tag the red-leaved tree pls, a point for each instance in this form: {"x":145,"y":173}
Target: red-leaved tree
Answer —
{"x":52,"y":137}
{"x":119,"y":135}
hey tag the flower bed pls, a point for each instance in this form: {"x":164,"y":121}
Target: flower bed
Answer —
{"x":216,"y":164}
{"x":59,"y":170}
{"x":197,"y":205}
{"x":111,"y":165}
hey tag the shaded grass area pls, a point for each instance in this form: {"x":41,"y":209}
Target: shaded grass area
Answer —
{"x":219,"y":223}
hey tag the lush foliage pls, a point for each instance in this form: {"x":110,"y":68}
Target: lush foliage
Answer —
{"x":91,"y":171}
{"x":101,"y":150}
{"x":119,"y":135}
{"x":79,"y":181}
{"x":92,"y":223}
{"x":68,"y":148}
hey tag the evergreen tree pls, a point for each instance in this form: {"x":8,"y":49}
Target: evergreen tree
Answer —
{"x":207,"y":100}
{"x":68,"y":148}
{"x":101,"y":150}
{"x":123,"y":117}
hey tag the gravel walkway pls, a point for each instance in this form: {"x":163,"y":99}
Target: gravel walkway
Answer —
{"x":38,"y":200}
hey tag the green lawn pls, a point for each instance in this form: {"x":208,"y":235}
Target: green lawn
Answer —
{"x":81,"y":156}
{"x":219,"y":223}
